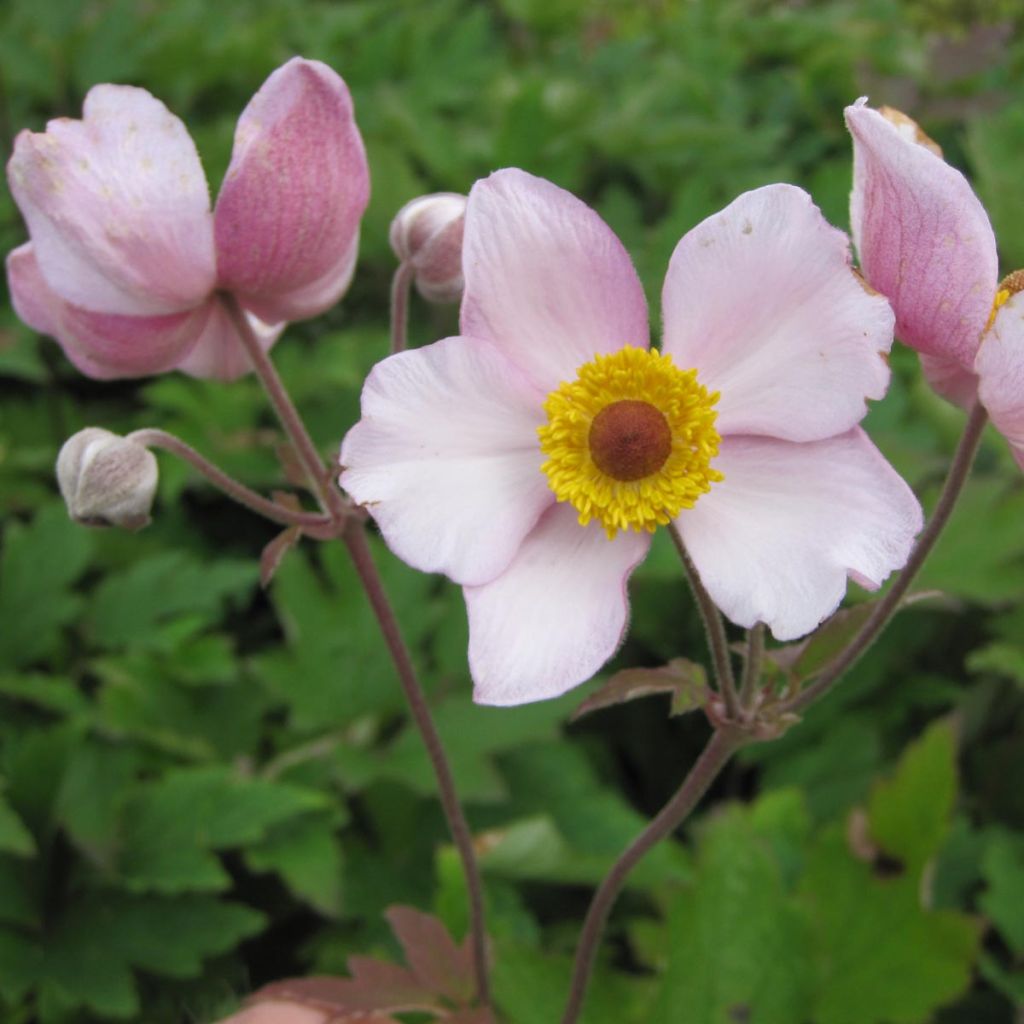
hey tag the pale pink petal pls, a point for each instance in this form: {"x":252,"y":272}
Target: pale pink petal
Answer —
{"x":446,"y":457}
{"x":761,"y":301}
{"x":923,"y":238}
{"x":218,"y":354}
{"x":102,"y":345}
{"x":117,"y":206}
{"x":31,"y":297}
{"x":775,"y":541}
{"x":1000,"y":369}
{"x":287,"y":218}
{"x":546,"y":279}
{"x":556,"y":614}
{"x":950,"y":379}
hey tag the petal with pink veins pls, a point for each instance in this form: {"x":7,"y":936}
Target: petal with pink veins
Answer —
{"x":761,"y":301}
{"x":555,"y":615}
{"x":104,"y":346}
{"x":1000,"y":368}
{"x":446,"y":457}
{"x":922,"y":236}
{"x":219,"y":354}
{"x":117,"y":206}
{"x":950,"y":379}
{"x":546,"y":279}
{"x":775,"y":541}
{"x":287,"y":218}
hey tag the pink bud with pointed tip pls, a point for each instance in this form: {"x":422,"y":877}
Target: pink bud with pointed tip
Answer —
{"x":127,"y":263}
{"x":925,"y":242}
{"x":426,"y":234}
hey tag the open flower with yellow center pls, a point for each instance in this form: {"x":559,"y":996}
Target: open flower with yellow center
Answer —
{"x":531,"y":457}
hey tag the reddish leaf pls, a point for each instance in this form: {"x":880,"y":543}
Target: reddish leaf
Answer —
{"x":275,"y":551}
{"x":479,"y":1015}
{"x":437,"y":962}
{"x":685,"y":680}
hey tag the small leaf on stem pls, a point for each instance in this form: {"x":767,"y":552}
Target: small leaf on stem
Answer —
{"x":685,"y":680}
{"x":275,"y":551}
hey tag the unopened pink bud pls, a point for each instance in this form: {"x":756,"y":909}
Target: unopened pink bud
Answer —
{"x":279,"y":1012}
{"x":106,"y":480}
{"x":427,"y":234}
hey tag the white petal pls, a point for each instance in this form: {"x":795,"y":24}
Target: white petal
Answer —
{"x":446,"y":457}
{"x":546,"y":279}
{"x":761,"y":301}
{"x":555,"y":615}
{"x":776,"y":540}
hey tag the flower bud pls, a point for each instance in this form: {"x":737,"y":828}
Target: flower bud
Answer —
{"x":280,"y":1012}
{"x":427,"y":234}
{"x":106,"y":480}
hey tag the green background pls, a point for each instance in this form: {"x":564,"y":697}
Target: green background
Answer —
{"x":206,"y":786}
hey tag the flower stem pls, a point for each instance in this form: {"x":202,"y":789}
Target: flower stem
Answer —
{"x":722,"y":745}
{"x":885,"y":609}
{"x":313,"y":523}
{"x":400,"y":285}
{"x":355,"y":539}
{"x":330,"y":499}
{"x":752,"y":667}
{"x":714,"y":629}
{"x":334,"y":503}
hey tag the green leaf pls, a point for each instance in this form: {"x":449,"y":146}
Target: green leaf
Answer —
{"x":14,"y":837}
{"x":20,"y":963}
{"x":1002,"y":868}
{"x":685,"y":680}
{"x":38,"y":565}
{"x":879,"y":957}
{"x":128,"y":606}
{"x":164,"y":937}
{"x":308,"y":856}
{"x":910,"y":814}
{"x":172,"y":827}
{"x":530,"y":988}
{"x":722,"y":926}
{"x":982,"y":566}
{"x":1001,"y":659}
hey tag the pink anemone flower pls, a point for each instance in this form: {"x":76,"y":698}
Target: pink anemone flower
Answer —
{"x":127,"y":264}
{"x":530,"y":458}
{"x":925,"y":241}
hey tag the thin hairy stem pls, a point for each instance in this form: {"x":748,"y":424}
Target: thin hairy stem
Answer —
{"x":313,"y":523}
{"x":714,"y":629}
{"x":400,"y":286}
{"x":722,"y":745}
{"x":355,"y":539}
{"x":752,"y":666}
{"x":330,"y":499}
{"x":885,"y":609}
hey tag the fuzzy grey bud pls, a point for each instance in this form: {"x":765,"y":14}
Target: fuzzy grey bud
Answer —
{"x":427,"y":234}
{"x":106,"y":480}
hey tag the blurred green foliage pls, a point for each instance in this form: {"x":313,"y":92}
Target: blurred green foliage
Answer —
{"x":204,"y":787}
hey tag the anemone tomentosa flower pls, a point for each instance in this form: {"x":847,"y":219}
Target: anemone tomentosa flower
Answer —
{"x":127,"y":264}
{"x":530,"y":458}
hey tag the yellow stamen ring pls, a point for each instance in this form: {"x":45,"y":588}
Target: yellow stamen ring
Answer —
{"x":630,"y":441}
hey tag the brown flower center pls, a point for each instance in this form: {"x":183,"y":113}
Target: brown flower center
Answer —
{"x":629,"y":440}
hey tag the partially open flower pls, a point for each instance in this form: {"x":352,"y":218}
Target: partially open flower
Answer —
{"x":106,"y":480}
{"x":127,"y":264}
{"x":280,"y":1012}
{"x":427,"y":235}
{"x":530,"y":458}
{"x":925,"y":242}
